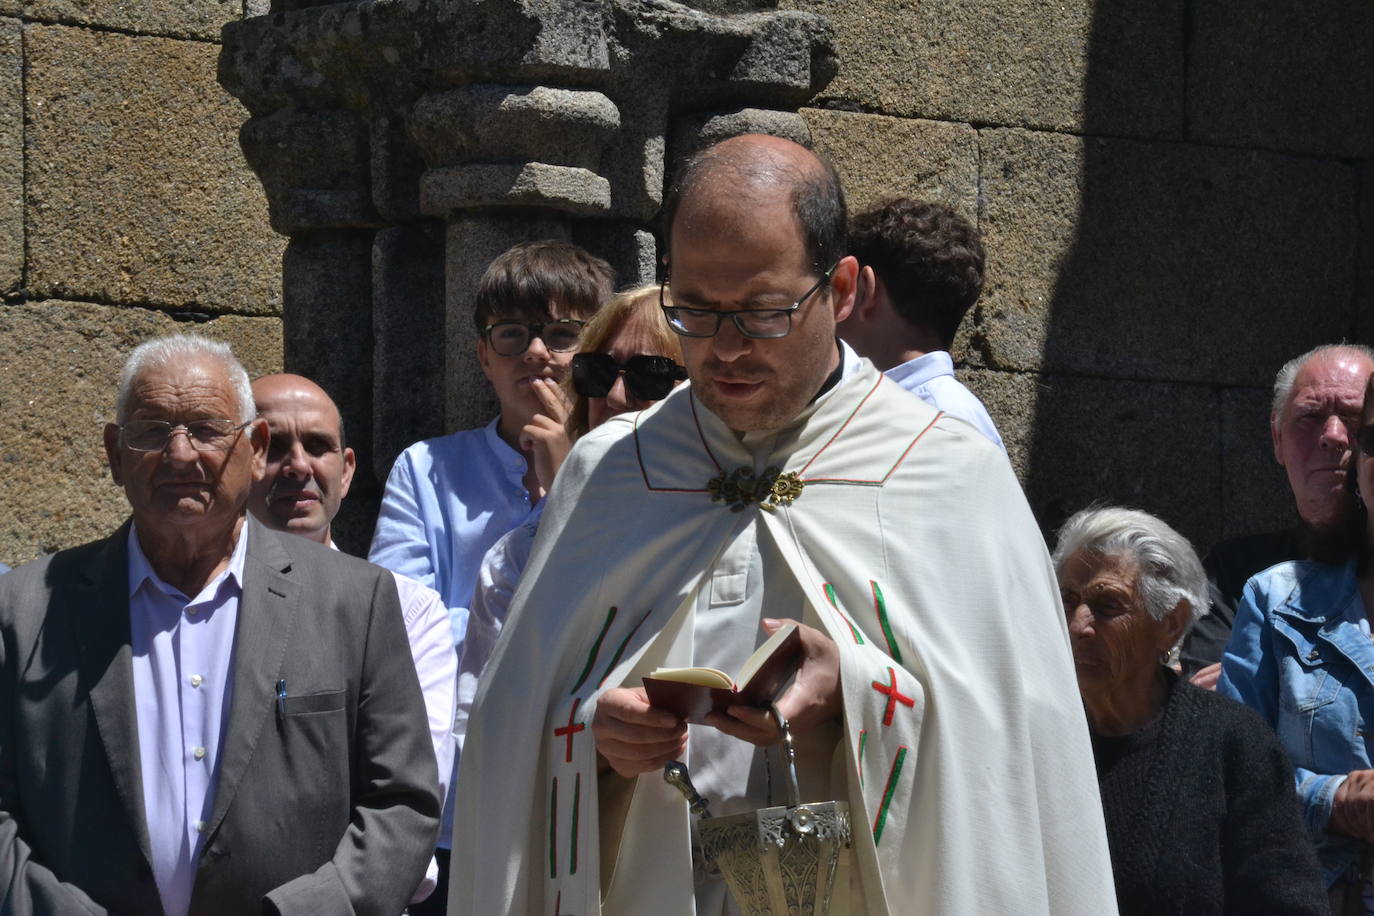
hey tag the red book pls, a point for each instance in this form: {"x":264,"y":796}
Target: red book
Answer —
{"x":691,"y":693}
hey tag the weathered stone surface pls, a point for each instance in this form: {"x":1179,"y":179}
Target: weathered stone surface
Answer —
{"x":59,"y":370}
{"x":314,"y":166}
{"x":1283,"y":74}
{"x":1149,"y":445}
{"x":1254,"y":489}
{"x":1160,"y":260}
{"x":504,"y":123}
{"x":137,"y":190}
{"x":1077,"y":65}
{"x":534,"y":184}
{"x":408,"y":351}
{"x":11,"y":155}
{"x":180,"y":18}
{"x":880,"y":158}
{"x":1364,"y":266}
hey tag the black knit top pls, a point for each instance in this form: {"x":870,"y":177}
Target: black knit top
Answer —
{"x":1201,"y":814}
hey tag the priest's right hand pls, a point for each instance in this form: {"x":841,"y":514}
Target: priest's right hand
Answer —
{"x":634,"y":737}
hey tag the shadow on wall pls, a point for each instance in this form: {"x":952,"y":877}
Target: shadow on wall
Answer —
{"x":1226,"y":151}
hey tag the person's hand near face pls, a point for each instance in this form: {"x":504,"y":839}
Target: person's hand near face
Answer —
{"x":544,"y":438}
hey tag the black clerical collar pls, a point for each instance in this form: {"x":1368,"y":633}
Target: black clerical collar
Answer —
{"x":833,"y":378}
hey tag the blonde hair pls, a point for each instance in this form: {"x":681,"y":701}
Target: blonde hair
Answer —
{"x":638,"y":304}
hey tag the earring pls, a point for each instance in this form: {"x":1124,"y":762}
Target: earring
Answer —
{"x":1169,"y":657}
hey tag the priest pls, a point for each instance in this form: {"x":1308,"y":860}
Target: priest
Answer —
{"x":791,"y":480}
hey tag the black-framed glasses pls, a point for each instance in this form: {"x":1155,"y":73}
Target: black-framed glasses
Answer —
{"x":760,"y":324}
{"x":647,"y":378}
{"x":212,"y":435}
{"x":511,"y":338}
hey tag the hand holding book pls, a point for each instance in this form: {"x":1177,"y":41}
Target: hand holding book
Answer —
{"x":813,"y":697}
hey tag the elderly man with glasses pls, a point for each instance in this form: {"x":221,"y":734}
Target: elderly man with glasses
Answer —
{"x":201,"y":715}
{"x":933,"y":690}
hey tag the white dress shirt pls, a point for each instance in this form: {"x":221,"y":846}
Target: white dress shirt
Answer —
{"x":436,"y":665}
{"x":182,"y":670}
{"x":931,"y":378}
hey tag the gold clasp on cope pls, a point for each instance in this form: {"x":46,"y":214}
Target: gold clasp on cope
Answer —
{"x":741,"y":488}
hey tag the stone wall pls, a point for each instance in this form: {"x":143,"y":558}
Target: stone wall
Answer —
{"x":1176,"y":198}
{"x":126,"y":211}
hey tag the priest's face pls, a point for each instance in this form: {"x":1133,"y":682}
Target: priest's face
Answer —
{"x":746,"y":252}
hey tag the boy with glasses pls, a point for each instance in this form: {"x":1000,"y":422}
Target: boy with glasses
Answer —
{"x":450,"y":498}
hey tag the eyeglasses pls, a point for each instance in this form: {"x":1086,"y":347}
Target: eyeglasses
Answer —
{"x":760,"y":324}
{"x":213,"y":435}
{"x":511,"y":338}
{"x":647,"y":378}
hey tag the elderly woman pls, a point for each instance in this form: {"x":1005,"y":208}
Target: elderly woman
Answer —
{"x":1198,"y":796}
{"x":1300,"y":654}
{"x":630,"y":358}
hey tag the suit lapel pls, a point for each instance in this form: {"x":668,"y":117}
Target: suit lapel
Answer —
{"x":266,"y":618}
{"x":101,"y":621}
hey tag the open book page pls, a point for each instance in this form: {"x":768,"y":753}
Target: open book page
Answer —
{"x":692,"y":693}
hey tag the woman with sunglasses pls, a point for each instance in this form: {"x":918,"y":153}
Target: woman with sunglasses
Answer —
{"x":1302,"y":655}
{"x":630,"y":358}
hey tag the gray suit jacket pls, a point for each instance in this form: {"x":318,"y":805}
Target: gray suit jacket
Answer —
{"x":329,"y":807}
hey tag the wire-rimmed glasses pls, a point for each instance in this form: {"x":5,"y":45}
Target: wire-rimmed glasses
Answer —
{"x":760,"y":324}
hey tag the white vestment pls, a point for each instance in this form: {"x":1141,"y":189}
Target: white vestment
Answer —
{"x":963,"y":750}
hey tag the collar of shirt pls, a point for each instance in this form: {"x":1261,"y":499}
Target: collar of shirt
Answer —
{"x":511,"y":461}
{"x":922,"y":369}
{"x":141,"y":571}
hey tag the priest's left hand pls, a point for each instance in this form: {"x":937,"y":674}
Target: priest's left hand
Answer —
{"x":814,"y":697}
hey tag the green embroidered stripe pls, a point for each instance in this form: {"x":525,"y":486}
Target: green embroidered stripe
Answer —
{"x":863,"y":743}
{"x":881,"y":820}
{"x":615,"y":659}
{"x":881,"y":606}
{"x":834,"y":602}
{"x":572,"y":834}
{"x":553,"y":830}
{"x":596,"y":650}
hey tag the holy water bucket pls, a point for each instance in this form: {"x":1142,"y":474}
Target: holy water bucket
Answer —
{"x":779,"y":861}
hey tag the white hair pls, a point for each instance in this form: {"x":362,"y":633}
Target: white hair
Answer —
{"x":1170,"y":571}
{"x":1283,"y":382}
{"x":163,"y":350}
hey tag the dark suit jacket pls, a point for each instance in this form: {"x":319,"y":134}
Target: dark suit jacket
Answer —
{"x":331,"y":807}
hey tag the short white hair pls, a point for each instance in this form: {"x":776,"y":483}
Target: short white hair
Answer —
{"x":1283,"y":382}
{"x":163,"y":350}
{"x":1170,"y":571}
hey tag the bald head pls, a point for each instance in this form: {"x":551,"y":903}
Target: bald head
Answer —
{"x":309,"y":468}
{"x":726,"y":185}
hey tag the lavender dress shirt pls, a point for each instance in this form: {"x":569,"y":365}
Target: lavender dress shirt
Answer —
{"x":182,"y":666}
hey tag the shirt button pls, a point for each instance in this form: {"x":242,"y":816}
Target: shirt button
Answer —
{"x":1313,"y":655}
{"x":199,"y":753}
{"x":196,"y":680}
{"x":192,"y":611}
{"x":200,"y":826}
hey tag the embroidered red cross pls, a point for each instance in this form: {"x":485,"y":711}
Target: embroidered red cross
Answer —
{"x":572,"y":728}
{"x":894,"y":696}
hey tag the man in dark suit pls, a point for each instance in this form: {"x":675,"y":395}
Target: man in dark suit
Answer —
{"x":200,"y":715}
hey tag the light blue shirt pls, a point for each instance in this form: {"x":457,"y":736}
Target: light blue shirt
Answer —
{"x":446,"y":502}
{"x":182,"y":669}
{"x":931,"y":378}
{"x":1300,"y":657}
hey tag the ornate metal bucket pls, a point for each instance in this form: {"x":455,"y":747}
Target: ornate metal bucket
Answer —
{"x":777,"y":861}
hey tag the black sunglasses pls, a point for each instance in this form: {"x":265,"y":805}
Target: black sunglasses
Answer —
{"x":648,"y":378}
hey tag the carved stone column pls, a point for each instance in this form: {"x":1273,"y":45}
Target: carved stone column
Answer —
{"x":404,"y":145}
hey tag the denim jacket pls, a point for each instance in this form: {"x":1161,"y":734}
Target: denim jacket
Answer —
{"x":1297,"y":655}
